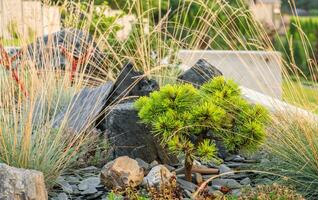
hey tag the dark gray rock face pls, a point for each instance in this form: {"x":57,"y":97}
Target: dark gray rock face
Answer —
{"x":200,"y":73}
{"x":84,"y":108}
{"x":131,"y":138}
{"x":47,"y":50}
{"x":131,"y":83}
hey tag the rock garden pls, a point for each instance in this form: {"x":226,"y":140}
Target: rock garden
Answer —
{"x":83,"y":119}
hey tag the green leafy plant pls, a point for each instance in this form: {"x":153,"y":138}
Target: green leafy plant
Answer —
{"x":184,"y":117}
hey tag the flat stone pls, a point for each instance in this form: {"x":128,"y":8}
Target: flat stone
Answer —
{"x":66,"y":187}
{"x":229,"y":183}
{"x":188,"y":193}
{"x":186,"y":185}
{"x":77,"y":117}
{"x":170,"y":168}
{"x":72,"y":179}
{"x":237,"y":164}
{"x":87,"y":183}
{"x":143,"y":164}
{"x":90,"y":190}
{"x":225,"y":169}
{"x":154,"y":164}
{"x":62,"y":196}
{"x":200,"y":73}
{"x":96,"y":195}
{"x":245,"y":181}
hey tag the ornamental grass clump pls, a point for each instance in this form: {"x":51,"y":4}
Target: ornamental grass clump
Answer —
{"x":184,"y":118}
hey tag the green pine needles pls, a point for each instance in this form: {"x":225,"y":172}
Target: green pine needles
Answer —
{"x":184,"y":118}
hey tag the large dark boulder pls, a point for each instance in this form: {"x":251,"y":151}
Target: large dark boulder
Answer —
{"x":129,"y":137}
{"x":84,"y":109}
{"x":200,"y":73}
{"x":46,"y":50}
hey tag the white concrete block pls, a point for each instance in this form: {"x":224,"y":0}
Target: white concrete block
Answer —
{"x":275,"y":105}
{"x":257,"y":70}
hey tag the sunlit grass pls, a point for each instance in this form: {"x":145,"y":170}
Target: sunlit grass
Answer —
{"x":309,"y":92}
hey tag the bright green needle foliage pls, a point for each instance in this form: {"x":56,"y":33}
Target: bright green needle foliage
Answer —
{"x":243,"y":127}
{"x":184,"y":117}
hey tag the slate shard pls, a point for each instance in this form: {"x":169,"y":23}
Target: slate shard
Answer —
{"x":200,"y":73}
{"x":84,"y":109}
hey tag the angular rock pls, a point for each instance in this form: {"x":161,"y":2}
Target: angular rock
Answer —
{"x":225,"y":169}
{"x":47,"y":49}
{"x":66,"y":187}
{"x":229,"y":183}
{"x":186,"y":185}
{"x":91,"y":182}
{"x":200,"y":73}
{"x":143,"y":164}
{"x":84,"y":108}
{"x":131,"y":138}
{"x":18,"y":183}
{"x":62,"y":196}
{"x":158,"y":175}
{"x":122,"y":172}
{"x":245,"y":181}
{"x":131,"y":83}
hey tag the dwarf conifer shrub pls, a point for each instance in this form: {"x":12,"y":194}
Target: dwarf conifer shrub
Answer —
{"x":184,"y":118}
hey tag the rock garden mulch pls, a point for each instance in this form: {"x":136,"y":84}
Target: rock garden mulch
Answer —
{"x":91,"y":183}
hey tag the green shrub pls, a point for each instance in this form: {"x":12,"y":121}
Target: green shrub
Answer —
{"x":183,"y":117}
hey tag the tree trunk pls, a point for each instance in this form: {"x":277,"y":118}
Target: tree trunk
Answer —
{"x":188,"y":167}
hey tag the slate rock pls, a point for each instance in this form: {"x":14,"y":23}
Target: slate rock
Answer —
{"x":143,"y":164}
{"x":186,"y":185}
{"x":66,"y":187}
{"x":225,"y":169}
{"x":89,"y":190}
{"x":245,"y":181}
{"x":62,"y":196}
{"x":229,"y":183}
{"x":131,"y":138}
{"x":129,"y":85}
{"x":17,"y":183}
{"x":91,"y":182}
{"x":46,"y":50}
{"x":84,"y":108}
{"x":200,"y":73}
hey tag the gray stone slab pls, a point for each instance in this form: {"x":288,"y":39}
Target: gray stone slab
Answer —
{"x":84,"y":108}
